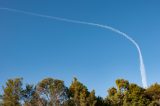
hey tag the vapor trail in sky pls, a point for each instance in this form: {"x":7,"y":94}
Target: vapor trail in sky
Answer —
{"x":142,"y":67}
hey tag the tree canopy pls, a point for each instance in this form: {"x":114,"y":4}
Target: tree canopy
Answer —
{"x":54,"y":92}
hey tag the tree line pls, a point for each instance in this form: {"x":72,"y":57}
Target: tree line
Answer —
{"x":53,"y":92}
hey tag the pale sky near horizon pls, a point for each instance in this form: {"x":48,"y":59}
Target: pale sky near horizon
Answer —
{"x":35,"y":48}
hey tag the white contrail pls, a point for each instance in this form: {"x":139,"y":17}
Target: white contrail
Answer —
{"x":142,"y":67}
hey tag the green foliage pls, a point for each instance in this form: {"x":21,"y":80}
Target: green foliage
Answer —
{"x":12,"y":92}
{"x":155,"y":103}
{"x":127,"y":94}
{"x":153,"y":92}
{"x":53,"y":92}
{"x":79,"y":93}
{"x":69,"y":102}
{"x":112,"y":91}
{"x":31,"y":97}
{"x":122,"y":84}
{"x":135,"y":95}
{"x":92,"y":98}
{"x":101,"y":101}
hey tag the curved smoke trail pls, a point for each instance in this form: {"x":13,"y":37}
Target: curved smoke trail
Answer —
{"x":142,"y":67}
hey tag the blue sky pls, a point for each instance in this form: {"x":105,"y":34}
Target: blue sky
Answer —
{"x":35,"y":48}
